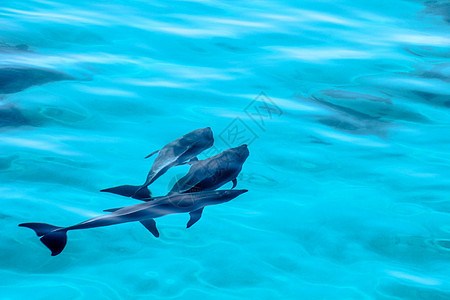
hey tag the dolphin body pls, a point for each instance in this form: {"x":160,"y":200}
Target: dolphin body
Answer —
{"x":17,"y":79}
{"x":55,"y":238}
{"x":212,"y":173}
{"x":352,"y":121}
{"x":11,"y":116}
{"x":173,"y":154}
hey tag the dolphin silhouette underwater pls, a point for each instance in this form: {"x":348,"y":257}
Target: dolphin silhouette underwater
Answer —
{"x":11,"y":116}
{"x":173,"y":154}
{"x":212,"y":173}
{"x":55,"y":238}
{"x":17,"y":79}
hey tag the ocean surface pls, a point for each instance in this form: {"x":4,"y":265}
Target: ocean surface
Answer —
{"x":345,"y":106}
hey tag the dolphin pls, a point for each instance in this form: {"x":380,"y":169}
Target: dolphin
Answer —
{"x":173,"y":154}
{"x":55,"y":238}
{"x":352,"y":121}
{"x":212,"y":173}
{"x":6,"y":48}
{"x":17,"y":79}
{"x":11,"y":116}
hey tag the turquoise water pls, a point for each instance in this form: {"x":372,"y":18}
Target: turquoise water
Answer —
{"x":344,"y":105}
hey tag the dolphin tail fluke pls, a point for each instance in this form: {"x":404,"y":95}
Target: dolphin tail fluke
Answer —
{"x":54,"y":237}
{"x":40,"y":228}
{"x":55,"y":241}
{"x":135,"y":191}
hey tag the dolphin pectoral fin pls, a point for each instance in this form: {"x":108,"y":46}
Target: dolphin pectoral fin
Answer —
{"x":112,"y":209}
{"x":150,"y":224}
{"x":234,"y":181}
{"x":195,"y":216}
{"x":194,"y":159}
{"x":153,"y":153}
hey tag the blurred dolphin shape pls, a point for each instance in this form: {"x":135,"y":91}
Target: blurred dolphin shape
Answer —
{"x":11,"y":116}
{"x":17,"y":79}
{"x":370,"y":106}
{"x":440,"y":8}
{"x":351,"y":121}
{"x":6,"y":48}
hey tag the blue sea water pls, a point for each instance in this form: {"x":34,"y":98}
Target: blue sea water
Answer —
{"x":345,"y":107}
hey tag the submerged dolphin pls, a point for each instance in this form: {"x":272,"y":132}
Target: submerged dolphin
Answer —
{"x":11,"y":116}
{"x":175,"y":153}
{"x":16,"y":79}
{"x":212,"y":173}
{"x":55,"y":238}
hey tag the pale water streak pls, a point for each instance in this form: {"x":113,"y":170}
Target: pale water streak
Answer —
{"x":348,"y":174}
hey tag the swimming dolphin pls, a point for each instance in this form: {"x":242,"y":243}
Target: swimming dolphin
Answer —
{"x":11,"y":116}
{"x":350,"y":120}
{"x":55,"y":237}
{"x":16,"y":79}
{"x":212,"y":173}
{"x":11,"y":49}
{"x":175,"y":153}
